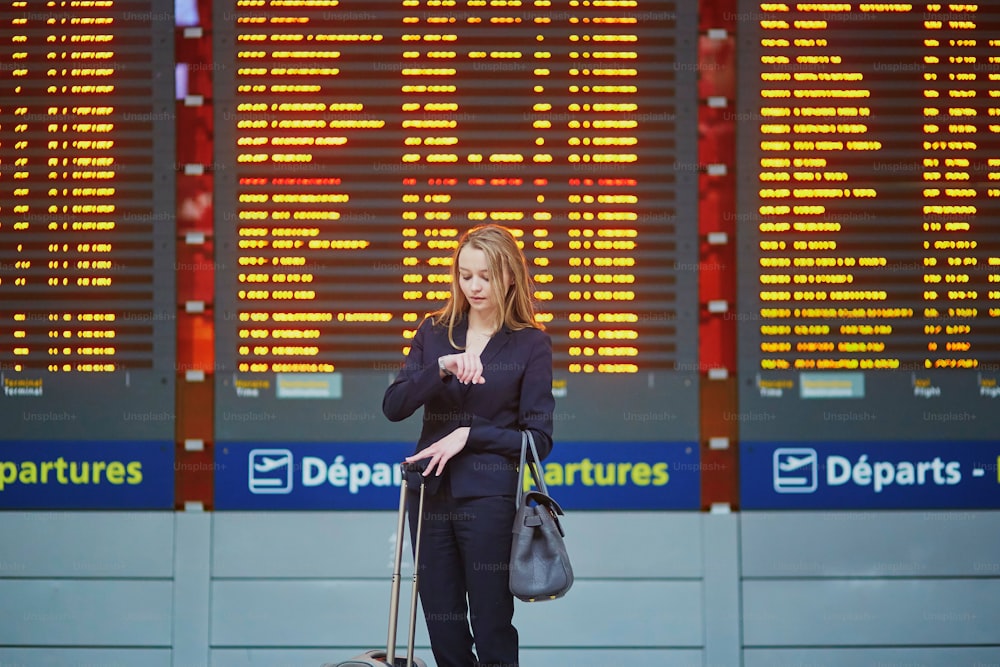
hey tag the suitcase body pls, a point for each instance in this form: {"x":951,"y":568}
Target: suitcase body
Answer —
{"x":387,"y":657}
{"x":376,"y":658}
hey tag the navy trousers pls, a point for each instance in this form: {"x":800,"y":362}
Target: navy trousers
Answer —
{"x":464,"y":560}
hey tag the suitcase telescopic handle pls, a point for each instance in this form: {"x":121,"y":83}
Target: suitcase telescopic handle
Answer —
{"x":416,"y":575}
{"x":390,"y":649}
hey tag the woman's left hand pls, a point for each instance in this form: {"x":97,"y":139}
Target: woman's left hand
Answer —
{"x":442,"y":451}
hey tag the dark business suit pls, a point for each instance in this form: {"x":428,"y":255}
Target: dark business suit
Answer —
{"x":465,"y":546}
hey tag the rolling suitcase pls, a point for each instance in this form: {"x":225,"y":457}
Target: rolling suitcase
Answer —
{"x":387,"y":657}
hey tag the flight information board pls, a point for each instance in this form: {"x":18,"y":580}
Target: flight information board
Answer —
{"x":868,"y":208}
{"x":356,"y":141}
{"x":86,"y":221}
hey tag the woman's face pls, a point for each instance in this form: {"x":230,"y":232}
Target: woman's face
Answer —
{"x":474,"y":281}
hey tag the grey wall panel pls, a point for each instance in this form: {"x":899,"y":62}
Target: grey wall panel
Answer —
{"x":872,"y":612}
{"x":72,"y":612}
{"x":84,"y":657}
{"x":529,"y":657}
{"x":873,"y":657}
{"x":870,"y":544}
{"x":616,"y":613}
{"x":721,"y":587}
{"x":311,"y":613}
{"x":304,"y":613}
{"x":303,"y":544}
{"x":359,"y":544}
{"x":635,"y":544}
{"x":191,"y":602}
{"x":609,"y":657}
{"x":86,"y":544}
{"x":844,"y":589}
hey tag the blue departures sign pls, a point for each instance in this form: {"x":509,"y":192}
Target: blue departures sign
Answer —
{"x":352,"y":476}
{"x":869,"y":475}
{"x":87,"y":475}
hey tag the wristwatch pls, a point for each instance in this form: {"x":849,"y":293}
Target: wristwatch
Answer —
{"x":441,"y":366}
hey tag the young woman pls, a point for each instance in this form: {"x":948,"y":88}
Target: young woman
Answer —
{"x":481,"y":368}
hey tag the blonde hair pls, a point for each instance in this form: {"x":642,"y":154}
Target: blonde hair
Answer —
{"x":498,"y":244}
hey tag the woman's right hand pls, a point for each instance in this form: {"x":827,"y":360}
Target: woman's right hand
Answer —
{"x":465,"y":366}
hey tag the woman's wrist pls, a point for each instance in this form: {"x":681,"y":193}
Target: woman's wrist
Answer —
{"x":442,"y":368}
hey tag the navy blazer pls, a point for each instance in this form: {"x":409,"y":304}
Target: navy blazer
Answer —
{"x":517,"y":395}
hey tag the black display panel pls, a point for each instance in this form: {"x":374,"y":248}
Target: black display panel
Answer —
{"x":357,"y":140}
{"x":87,"y":221}
{"x":868,"y":208}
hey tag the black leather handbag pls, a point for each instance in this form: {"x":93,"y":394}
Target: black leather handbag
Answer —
{"x":539,"y":565}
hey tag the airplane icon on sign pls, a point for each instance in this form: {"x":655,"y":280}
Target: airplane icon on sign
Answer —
{"x":268,"y":464}
{"x":795,"y":469}
{"x":270,"y":471}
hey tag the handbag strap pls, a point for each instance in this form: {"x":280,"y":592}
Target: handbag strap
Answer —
{"x":528,"y":440}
